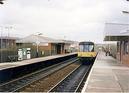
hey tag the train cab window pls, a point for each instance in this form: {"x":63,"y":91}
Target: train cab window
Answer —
{"x":91,"y":48}
{"x":86,"y":48}
{"x":81,"y":48}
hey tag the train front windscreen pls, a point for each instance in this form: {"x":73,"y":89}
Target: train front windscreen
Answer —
{"x":86,"y":48}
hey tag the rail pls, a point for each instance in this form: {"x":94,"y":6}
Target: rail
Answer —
{"x":17,"y":84}
{"x":73,"y":81}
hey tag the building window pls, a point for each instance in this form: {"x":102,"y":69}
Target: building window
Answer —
{"x":126,"y":47}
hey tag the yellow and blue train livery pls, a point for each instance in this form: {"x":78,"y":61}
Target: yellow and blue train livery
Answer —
{"x":86,"y":52}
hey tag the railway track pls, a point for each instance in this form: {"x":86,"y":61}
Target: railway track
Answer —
{"x":21,"y":83}
{"x":45,"y":84}
{"x":74,"y":81}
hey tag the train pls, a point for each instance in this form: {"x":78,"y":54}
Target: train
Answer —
{"x":86,"y":53}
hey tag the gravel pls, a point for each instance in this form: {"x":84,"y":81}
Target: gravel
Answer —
{"x":45,"y":84}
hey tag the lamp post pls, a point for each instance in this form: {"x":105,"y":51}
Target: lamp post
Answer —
{"x":1,"y":40}
{"x":8,"y":30}
{"x":37,"y":44}
{"x":1,"y":44}
{"x":124,"y":12}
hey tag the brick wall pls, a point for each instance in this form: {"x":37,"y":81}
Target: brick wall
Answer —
{"x":123,"y":56}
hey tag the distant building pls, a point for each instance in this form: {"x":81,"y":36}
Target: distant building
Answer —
{"x":71,"y":46}
{"x":7,"y":42}
{"x":120,"y":33}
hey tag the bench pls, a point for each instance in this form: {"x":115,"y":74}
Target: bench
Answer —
{"x":13,"y":58}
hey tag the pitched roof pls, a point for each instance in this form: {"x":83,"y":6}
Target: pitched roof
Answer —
{"x":38,"y":39}
{"x":7,"y":37}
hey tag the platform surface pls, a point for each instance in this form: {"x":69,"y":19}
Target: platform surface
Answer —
{"x":6,"y":65}
{"x":107,"y":75}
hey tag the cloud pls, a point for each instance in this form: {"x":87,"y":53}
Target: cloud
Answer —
{"x":75,"y":19}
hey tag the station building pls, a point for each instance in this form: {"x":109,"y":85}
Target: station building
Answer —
{"x":7,"y":47}
{"x":119,"y":33}
{"x":46,"y":45}
{"x":40,"y":46}
{"x":7,"y":42}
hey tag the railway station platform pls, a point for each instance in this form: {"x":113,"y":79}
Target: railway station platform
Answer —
{"x":13,"y":70}
{"x":7,"y":65}
{"x":107,"y":75}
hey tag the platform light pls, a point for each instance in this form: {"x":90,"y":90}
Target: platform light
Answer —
{"x":37,"y":43}
{"x":126,"y":12}
{"x":1,"y":2}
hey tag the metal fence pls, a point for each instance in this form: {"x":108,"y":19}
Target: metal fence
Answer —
{"x":11,"y":55}
{"x":5,"y":55}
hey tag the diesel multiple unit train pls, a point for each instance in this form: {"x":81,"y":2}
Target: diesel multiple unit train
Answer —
{"x":86,"y":52}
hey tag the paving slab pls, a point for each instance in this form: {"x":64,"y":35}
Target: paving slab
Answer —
{"x":107,"y":75}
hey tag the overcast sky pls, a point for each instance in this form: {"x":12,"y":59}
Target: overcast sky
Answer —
{"x":80,"y":20}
